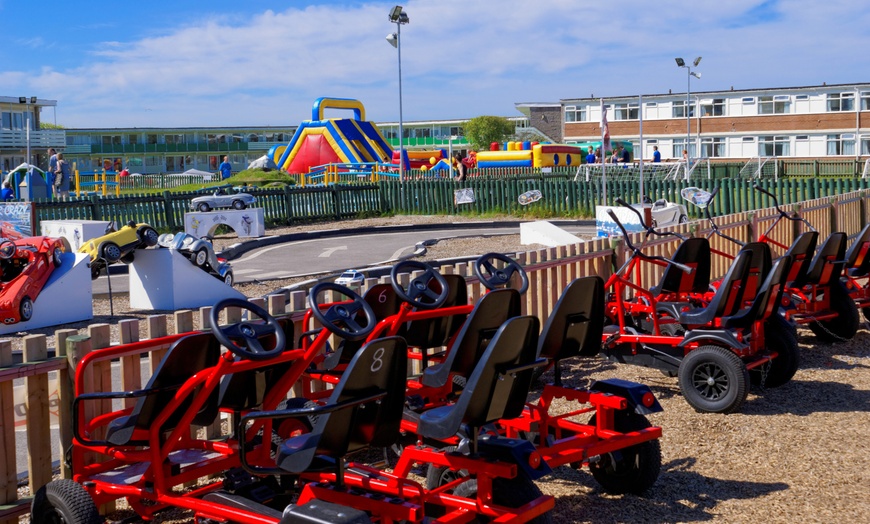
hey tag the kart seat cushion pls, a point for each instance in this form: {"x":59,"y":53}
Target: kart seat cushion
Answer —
{"x":378,"y":368}
{"x":728,"y":297}
{"x":487,"y":316}
{"x":766,"y":301}
{"x":827,"y":265}
{"x":695,"y":253}
{"x":576,"y":323}
{"x":435,"y":332}
{"x":385,"y":303}
{"x":857,"y":259}
{"x":801,"y":251}
{"x":186,"y":357}
{"x":498,"y":387}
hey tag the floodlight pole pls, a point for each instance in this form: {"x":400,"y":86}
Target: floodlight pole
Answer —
{"x":399,"y":17}
{"x":689,"y":75}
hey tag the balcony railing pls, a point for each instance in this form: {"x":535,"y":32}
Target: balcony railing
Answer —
{"x":41,"y":139}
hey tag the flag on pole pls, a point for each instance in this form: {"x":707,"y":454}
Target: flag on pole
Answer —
{"x":605,"y":132}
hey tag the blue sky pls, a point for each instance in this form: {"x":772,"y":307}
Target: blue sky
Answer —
{"x":263,"y":62}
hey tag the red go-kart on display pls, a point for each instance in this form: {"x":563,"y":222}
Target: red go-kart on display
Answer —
{"x":25,"y":265}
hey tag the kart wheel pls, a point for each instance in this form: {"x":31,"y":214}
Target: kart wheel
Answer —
{"x":25,"y":309}
{"x":128,"y":258}
{"x":778,"y":337}
{"x":866,"y":312}
{"x":57,"y":256}
{"x":238,"y":204}
{"x":713,"y":380}
{"x":633,"y":469}
{"x":291,"y":427}
{"x":228,"y":278}
{"x":200,"y":257}
{"x":683,"y":219}
{"x":95,"y":271}
{"x":64,"y":501}
{"x":111,"y":252}
{"x":149,"y":236}
{"x":203,"y":207}
{"x":844,"y":325}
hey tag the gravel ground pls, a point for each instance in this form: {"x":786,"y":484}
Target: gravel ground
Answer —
{"x":794,"y":453}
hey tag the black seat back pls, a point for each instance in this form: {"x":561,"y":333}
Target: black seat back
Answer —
{"x":576,"y":323}
{"x":246,"y":390}
{"x":759,"y":266}
{"x":493,"y":309}
{"x":857,"y":261}
{"x":435,"y":332}
{"x":496,"y":389}
{"x":186,"y":357}
{"x":801,"y":253}
{"x":692,"y":252}
{"x":378,"y":368}
{"x":767,"y":299}
{"x":385,"y":303}
{"x":827,"y":265}
{"x":728,"y":298}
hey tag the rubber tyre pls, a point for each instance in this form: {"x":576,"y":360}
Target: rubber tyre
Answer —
{"x":200,"y":257}
{"x":111,"y":252}
{"x":727,"y":372}
{"x":239,"y":205}
{"x":203,"y":207}
{"x":683,"y":219}
{"x":866,"y":312}
{"x":95,"y":272}
{"x":633,"y":469}
{"x":128,"y":258}
{"x":25,"y":309}
{"x":57,"y":256}
{"x":288,"y":427}
{"x":149,"y":236}
{"x":64,"y":501}
{"x":844,"y":325}
{"x":228,"y":279}
{"x":778,"y":337}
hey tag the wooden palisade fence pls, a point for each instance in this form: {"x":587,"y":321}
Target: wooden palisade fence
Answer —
{"x":549,"y":271}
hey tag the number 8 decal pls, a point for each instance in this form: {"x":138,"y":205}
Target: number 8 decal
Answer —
{"x":378,"y":362}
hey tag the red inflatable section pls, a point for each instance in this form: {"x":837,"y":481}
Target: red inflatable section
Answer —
{"x":315,"y":151}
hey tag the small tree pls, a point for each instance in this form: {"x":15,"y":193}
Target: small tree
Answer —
{"x":49,"y":125}
{"x":481,"y":131}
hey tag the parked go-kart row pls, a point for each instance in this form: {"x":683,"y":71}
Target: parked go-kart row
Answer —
{"x":289,"y":459}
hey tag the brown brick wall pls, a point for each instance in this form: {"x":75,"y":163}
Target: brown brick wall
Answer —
{"x":548,"y":120}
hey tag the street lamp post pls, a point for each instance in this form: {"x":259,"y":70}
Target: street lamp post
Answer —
{"x":689,"y":75}
{"x":24,"y":100}
{"x":400,"y":18}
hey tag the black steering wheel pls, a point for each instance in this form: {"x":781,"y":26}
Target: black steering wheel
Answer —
{"x":493,"y":278}
{"x":419,"y":294}
{"x":342,"y":314}
{"x":247,"y":331}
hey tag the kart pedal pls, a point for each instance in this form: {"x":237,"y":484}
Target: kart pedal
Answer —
{"x":236,"y":479}
{"x":415,"y":402}
{"x":261,"y":494}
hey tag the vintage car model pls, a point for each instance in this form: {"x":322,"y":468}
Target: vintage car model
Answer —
{"x":664,"y":213}
{"x":350,"y":277}
{"x":25,"y":265}
{"x":222,"y":199}
{"x":201,"y":253}
{"x":118,"y":245}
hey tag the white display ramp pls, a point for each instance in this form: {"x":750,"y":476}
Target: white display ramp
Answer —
{"x":65,"y":298}
{"x":163,"y":279}
{"x":247,"y":223}
{"x":545,"y":233}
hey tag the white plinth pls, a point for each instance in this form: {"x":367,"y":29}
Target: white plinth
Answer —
{"x":545,"y":233}
{"x":77,"y":232}
{"x":65,"y":298}
{"x":164,"y":279}
{"x":247,"y":223}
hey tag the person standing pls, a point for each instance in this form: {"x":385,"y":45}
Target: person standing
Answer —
{"x":461,"y":169}
{"x":52,"y":165}
{"x":63,"y":174}
{"x":590,"y":158}
{"x":657,"y":155}
{"x":7,"y":193}
{"x":226,"y":168}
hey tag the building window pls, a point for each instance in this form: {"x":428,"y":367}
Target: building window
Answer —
{"x":150,"y":139}
{"x":575,"y":114}
{"x":841,"y":102}
{"x":801,"y":97}
{"x":715,"y":107}
{"x":7,"y":121}
{"x":111,"y":140}
{"x":679,"y":110}
{"x":865,"y":101}
{"x":132,"y":139}
{"x":773,"y":146}
{"x":712,"y":147}
{"x":769,"y":105}
{"x":626,"y":111}
{"x":841,"y":144}
{"x":174,"y":139}
{"x":680,"y":145}
{"x":748,"y":100}
{"x":865,"y":146}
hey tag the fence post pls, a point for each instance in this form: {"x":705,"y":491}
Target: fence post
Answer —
{"x":8,"y":469}
{"x":288,"y":202}
{"x":167,"y":210}
{"x":336,"y":201}
{"x":95,"y":207}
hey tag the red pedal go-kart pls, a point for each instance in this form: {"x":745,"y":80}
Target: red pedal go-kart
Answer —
{"x":711,"y":342}
{"x":617,"y":443}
